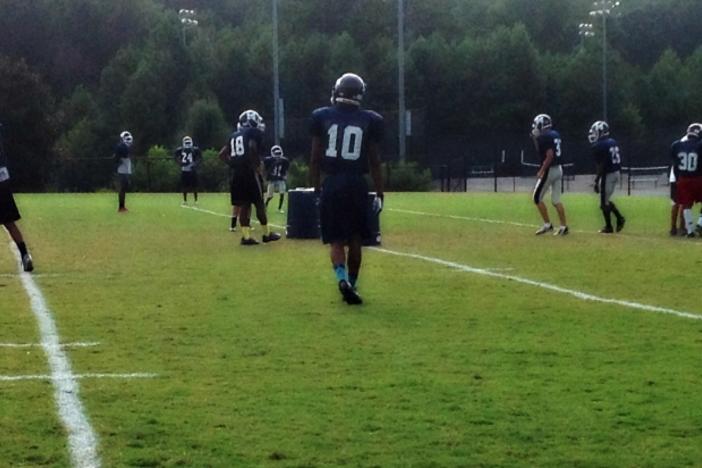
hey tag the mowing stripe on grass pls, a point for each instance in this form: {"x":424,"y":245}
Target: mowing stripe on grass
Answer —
{"x":61,"y":345}
{"x":58,"y":377}
{"x":551,"y":287}
{"x":82,"y":440}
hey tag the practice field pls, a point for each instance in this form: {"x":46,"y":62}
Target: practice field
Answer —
{"x":479,"y":344}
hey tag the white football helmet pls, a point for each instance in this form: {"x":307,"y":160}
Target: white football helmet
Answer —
{"x":250,"y":119}
{"x":542,"y":122}
{"x":126,"y":138}
{"x":277,"y":151}
{"x":187,"y":142}
{"x":598,"y":130}
{"x":694,"y":130}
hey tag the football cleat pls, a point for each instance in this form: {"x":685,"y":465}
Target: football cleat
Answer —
{"x":232,"y":229}
{"x":281,"y":211}
{"x":27,"y":263}
{"x":544,"y":229}
{"x":273,"y":236}
{"x":122,"y":210}
{"x":606,"y":230}
{"x":349,"y":293}
{"x":562,"y":231}
{"x":249,"y":241}
{"x":620,"y":224}
{"x":690,"y":235}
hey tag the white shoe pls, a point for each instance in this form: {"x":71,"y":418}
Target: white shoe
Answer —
{"x":562,"y":231}
{"x":232,"y":229}
{"x":544,"y":229}
{"x":183,"y":203}
{"x":281,"y":211}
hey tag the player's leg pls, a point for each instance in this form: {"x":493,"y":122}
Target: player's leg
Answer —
{"x":16,"y":235}
{"x":538,"y":197}
{"x":123,"y":188}
{"x":605,"y":206}
{"x":194,"y":185}
{"x":261,"y":215}
{"x":245,"y":222}
{"x":269,"y":192}
{"x":355,"y":256}
{"x":282,"y":187}
{"x":554,"y":181}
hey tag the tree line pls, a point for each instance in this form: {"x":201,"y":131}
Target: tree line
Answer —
{"x":74,"y":73}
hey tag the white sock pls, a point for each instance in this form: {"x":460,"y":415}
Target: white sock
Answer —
{"x":689,"y":225}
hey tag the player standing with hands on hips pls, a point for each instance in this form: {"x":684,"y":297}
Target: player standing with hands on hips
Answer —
{"x":346,"y":146}
{"x":9,"y":214}
{"x":548,"y":145}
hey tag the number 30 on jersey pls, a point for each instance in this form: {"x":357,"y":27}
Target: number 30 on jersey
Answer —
{"x":350,"y":143}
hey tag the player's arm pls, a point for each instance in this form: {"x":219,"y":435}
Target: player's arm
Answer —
{"x":376,"y":170}
{"x":224,"y":155}
{"x":254,"y":156}
{"x":547,"y":163}
{"x":316,"y":162}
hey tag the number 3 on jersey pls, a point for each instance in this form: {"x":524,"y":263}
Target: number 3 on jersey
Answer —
{"x":350,"y":143}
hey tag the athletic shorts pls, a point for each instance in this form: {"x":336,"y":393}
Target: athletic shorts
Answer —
{"x":344,"y":208}
{"x":8,"y":209}
{"x":689,"y":190}
{"x":276,"y":186}
{"x":550,"y":181}
{"x":188,"y":179}
{"x":608,"y":183}
{"x":245,"y":188}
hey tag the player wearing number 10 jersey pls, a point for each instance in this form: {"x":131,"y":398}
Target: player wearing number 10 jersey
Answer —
{"x":608,"y":161}
{"x":685,"y":155}
{"x":346,"y":146}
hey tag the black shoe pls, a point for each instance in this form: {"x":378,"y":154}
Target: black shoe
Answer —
{"x":27,"y":263}
{"x":620,"y":224}
{"x":690,"y":235}
{"x":350,"y":295}
{"x":249,"y":241}
{"x":606,"y":230}
{"x":273,"y":236}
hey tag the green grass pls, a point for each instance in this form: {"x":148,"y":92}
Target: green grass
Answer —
{"x":261,"y":364}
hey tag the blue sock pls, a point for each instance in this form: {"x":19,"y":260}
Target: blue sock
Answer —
{"x":340,"y":271}
{"x":353,"y":278}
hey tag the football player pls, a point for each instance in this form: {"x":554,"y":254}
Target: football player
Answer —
{"x":675,"y":208}
{"x":276,"y":166}
{"x":9,"y":214}
{"x":685,"y":155}
{"x":548,"y":145}
{"x":188,"y":156}
{"x":346,"y":146}
{"x":242,"y":154}
{"x":609,"y":164}
{"x":124,"y":167}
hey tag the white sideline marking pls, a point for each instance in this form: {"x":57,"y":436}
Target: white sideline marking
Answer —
{"x":194,"y":208}
{"x":61,"y":345}
{"x":464,"y":218}
{"x":551,"y":287}
{"x":60,"y":377}
{"x":82,"y":439}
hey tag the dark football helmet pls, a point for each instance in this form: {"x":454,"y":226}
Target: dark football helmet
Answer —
{"x":694,"y":130}
{"x":598,"y":130}
{"x":348,"y":89}
{"x":250,"y":119}
{"x":277,"y":151}
{"x":126,"y":138}
{"x":542,"y":122}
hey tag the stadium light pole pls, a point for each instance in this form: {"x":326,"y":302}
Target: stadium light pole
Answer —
{"x":604,"y":9}
{"x":276,"y":76}
{"x":402,"y":125}
{"x":585,"y":30}
{"x":187,"y":20}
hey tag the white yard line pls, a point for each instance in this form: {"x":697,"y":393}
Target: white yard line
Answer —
{"x":82,"y":440}
{"x":89,"y":344}
{"x":551,"y":287}
{"x":214,"y":213}
{"x":59,"y":377}
{"x":464,"y":218}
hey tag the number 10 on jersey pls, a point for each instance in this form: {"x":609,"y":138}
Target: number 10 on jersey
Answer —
{"x":350,"y":143}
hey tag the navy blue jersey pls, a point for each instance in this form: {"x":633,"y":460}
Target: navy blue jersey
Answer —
{"x":121,"y":150}
{"x":607,"y":156}
{"x":188,"y":158}
{"x":549,"y":140}
{"x":685,"y":155}
{"x":346,"y":133}
{"x":239,"y":151}
{"x":276,"y":167}
{"x":4,"y":172}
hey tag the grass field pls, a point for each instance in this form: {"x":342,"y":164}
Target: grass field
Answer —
{"x":259,"y":363}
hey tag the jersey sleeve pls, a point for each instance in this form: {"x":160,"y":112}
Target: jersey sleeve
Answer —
{"x":121,"y":151}
{"x":317,"y":124}
{"x":376,"y":129}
